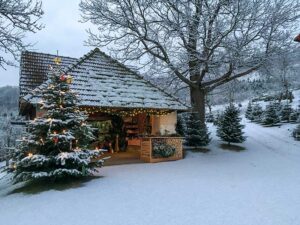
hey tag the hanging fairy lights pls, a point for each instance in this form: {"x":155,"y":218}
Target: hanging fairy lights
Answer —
{"x":129,"y":112}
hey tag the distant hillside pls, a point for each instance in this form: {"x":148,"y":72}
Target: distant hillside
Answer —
{"x":9,"y":97}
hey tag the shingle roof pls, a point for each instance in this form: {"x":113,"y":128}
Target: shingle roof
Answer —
{"x":34,"y":68}
{"x":101,"y":81}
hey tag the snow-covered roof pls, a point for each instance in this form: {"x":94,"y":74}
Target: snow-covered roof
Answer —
{"x":34,"y":68}
{"x":101,"y":81}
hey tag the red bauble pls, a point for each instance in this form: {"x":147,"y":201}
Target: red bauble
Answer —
{"x":63,"y":77}
{"x":55,"y":140}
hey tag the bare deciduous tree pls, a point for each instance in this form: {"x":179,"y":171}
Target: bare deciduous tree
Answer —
{"x":16,"y":18}
{"x":204,"y":43}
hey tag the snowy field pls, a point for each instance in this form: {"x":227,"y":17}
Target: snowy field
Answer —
{"x":260,"y":185}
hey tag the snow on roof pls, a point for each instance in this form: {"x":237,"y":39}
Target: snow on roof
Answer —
{"x":101,"y":81}
{"x":34,"y":68}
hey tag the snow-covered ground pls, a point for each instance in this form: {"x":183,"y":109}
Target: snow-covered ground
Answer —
{"x":260,"y":185}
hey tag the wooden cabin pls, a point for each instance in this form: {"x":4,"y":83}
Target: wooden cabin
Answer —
{"x":117,"y":99}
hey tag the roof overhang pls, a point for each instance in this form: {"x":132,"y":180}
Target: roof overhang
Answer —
{"x":297,"y":38}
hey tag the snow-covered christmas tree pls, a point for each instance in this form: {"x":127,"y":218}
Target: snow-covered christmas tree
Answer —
{"x":230,"y":127}
{"x":56,"y":145}
{"x":296,"y":133}
{"x":248,"y":113}
{"x":271,"y":117}
{"x":286,"y":112}
{"x":179,"y":126}
{"x":196,"y":135}
{"x":257,"y":113}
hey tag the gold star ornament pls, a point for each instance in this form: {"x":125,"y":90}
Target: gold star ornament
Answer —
{"x":57,"y":60}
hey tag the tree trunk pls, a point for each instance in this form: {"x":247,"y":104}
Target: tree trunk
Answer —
{"x":198,"y":102}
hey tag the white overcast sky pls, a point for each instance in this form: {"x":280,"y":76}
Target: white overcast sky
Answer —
{"x":62,"y":32}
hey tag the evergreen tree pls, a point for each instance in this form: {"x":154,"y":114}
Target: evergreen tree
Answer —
{"x":296,"y":133}
{"x":295,"y":115}
{"x":56,"y":145}
{"x":278,"y":108}
{"x":248,"y":113}
{"x":179,"y":126}
{"x":218,"y":118}
{"x":257,"y":113}
{"x":196,"y":135}
{"x":286,"y":112}
{"x":230,"y":127}
{"x":271,"y":118}
{"x":210,"y":118}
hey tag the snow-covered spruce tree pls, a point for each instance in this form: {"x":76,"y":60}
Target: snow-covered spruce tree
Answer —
{"x":271,"y":117}
{"x":56,"y":145}
{"x":218,"y":118}
{"x":278,"y":108}
{"x":295,"y":115}
{"x":286,"y":112}
{"x":196,"y":134}
{"x":257,"y":113}
{"x":296,"y":133}
{"x":210,"y":118}
{"x":248,"y":113}
{"x":230,"y":128}
{"x":179,"y":126}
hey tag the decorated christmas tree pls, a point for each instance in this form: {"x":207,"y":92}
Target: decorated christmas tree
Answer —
{"x":248,"y":113}
{"x":286,"y":112}
{"x":56,"y":145}
{"x":271,"y":117}
{"x":257,"y":113}
{"x":196,"y":134}
{"x":230,"y":127}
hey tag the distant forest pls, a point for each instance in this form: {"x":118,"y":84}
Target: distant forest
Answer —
{"x":9,"y":97}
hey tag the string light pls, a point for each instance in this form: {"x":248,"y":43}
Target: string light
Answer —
{"x":30,"y":154}
{"x":132,"y":112}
